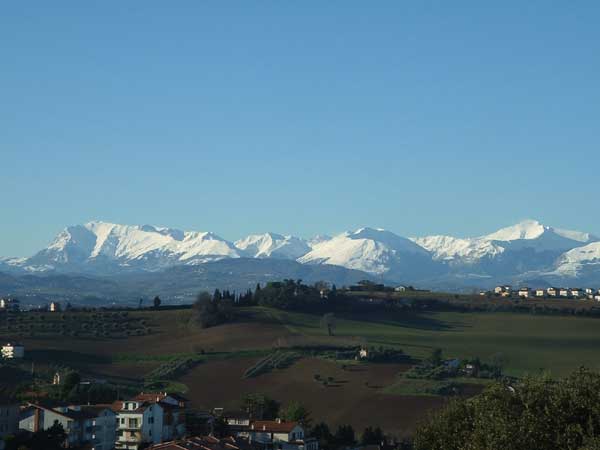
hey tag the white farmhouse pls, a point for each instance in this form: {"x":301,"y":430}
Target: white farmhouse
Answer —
{"x":13,"y":351}
{"x":524,"y":292}
{"x":278,"y":434}
{"x":149,"y":418}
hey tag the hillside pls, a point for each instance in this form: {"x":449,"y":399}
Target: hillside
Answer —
{"x":179,"y":284}
{"x":360,"y":394}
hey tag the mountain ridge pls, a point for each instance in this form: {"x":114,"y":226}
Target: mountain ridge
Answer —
{"x":528,"y":247}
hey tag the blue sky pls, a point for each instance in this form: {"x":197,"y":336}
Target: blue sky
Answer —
{"x":298,"y":117}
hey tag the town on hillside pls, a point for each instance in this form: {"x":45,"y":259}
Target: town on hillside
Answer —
{"x":507,"y":291}
{"x":148,"y":420}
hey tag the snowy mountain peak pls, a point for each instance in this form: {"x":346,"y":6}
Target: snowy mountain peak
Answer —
{"x":272,"y":245}
{"x":528,"y":248}
{"x":371,"y":250}
{"x":532,"y":229}
{"x":575,"y":260}
{"x":100,"y":243}
{"x":527,"y":229}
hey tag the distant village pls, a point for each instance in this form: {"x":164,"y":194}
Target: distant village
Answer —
{"x":550,"y":292}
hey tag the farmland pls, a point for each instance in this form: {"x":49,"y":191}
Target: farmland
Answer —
{"x":209,"y":365}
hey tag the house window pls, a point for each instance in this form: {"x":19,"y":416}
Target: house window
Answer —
{"x":133,"y":423}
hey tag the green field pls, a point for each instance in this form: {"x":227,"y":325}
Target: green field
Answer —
{"x":377,"y":393}
{"x":530,"y":343}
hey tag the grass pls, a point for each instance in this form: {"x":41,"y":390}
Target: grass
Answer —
{"x":363,"y":393}
{"x":530,"y":343}
{"x":407,"y":386}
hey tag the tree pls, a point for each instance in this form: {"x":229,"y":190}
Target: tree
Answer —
{"x":537,"y":413}
{"x":344,"y":436}
{"x":436,"y":357}
{"x":322,"y":286}
{"x":208,"y":312}
{"x":322,"y":433}
{"x":372,"y":436}
{"x":498,"y":361}
{"x":70,"y":381}
{"x":261,"y":407}
{"x":328,"y":322}
{"x":220,"y":428}
{"x":141,"y":303}
{"x":296,"y":412}
{"x":157,"y":302}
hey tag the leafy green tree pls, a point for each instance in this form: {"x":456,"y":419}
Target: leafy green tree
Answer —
{"x":208,"y":312}
{"x":261,"y":407}
{"x":372,"y":436}
{"x":296,"y":412}
{"x":537,"y":413}
{"x":70,"y":381}
{"x":322,"y":433}
{"x":436,"y":357}
{"x":344,"y":436}
{"x":328,"y":322}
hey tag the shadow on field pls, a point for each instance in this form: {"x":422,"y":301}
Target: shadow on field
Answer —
{"x":66,"y":356}
{"x":406,"y":320}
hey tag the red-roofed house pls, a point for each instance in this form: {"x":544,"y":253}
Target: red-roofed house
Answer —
{"x":278,"y":434}
{"x":92,"y":426}
{"x":205,"y":443}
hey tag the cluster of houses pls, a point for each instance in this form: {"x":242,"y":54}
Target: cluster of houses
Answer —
{"x":14,"y":305}
{"x":12,"y":350}
{"x":9,"y":304}
{"x":550,"y":292}
{"x":149,"y":420}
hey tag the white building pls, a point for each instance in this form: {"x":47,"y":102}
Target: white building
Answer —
{"x":91,"y":427}
{"x":540,"y":292}
{"x":524,"y":292}
{"x":13,"y":351}
{"x":576,"y":292}
{"x":54,"y":307}
{"x":277,"y":434}
{"x":552,"y":292}
{"x":563,"y":292}
{"x":9,"y":304}
{"x":589,"y":291}
{"x":149,"y":418}
{"x":9,"y":418}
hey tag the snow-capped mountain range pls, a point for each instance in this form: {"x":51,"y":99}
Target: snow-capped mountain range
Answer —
{"x":527,"y":250}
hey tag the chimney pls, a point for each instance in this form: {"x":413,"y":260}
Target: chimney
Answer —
{"x":36,"y":420}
